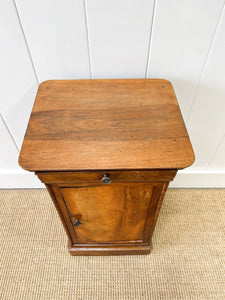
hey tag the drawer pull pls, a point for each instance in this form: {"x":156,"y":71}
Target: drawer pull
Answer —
{"x":77,"y":222}
{"x":106,"y":179}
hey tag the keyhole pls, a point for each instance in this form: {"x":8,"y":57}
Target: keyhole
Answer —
{"x":76,"y":222}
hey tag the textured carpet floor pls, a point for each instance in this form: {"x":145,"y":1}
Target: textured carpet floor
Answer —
{"x":187,"y":260}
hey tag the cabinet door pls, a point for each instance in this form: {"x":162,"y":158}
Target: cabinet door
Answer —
{"x":112,"y":213}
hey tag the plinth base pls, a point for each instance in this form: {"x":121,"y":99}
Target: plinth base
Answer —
{"x":104,"y":249}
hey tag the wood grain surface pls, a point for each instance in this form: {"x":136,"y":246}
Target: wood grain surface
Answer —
{"x":67,"y":178}
{"x":106,"y":124}
{"x":114,"y":213}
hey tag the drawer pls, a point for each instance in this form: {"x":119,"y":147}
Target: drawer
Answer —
{"x":97,"y":176}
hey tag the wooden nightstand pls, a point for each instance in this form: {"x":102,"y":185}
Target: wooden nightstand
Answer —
{"x":106,"y":151}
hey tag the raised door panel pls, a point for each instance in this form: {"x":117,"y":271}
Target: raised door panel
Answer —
{"x":113,"y":213}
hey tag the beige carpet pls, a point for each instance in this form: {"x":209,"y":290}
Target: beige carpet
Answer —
{"x":187,"y":260}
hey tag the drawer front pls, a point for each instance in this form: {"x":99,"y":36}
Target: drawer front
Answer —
{"x":97,"y":176}
{"x":114,"y":213}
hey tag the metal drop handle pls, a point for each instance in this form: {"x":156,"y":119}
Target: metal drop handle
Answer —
{"x":106,"y":179}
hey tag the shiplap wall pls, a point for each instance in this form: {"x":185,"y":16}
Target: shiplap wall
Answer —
{"x":182,"y":41}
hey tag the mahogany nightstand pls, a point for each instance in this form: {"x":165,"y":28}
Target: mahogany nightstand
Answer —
{"x":106,"y":151}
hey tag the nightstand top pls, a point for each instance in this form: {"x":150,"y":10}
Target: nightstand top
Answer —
{"x":114,"y":124}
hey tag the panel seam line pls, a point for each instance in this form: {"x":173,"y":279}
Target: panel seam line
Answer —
{"x":87,"y":35}
{"x":205,"y":64}
{"x":150,"y":39}
{"x":217,"y":148}
{"x":9,"y":132}
{"x":25,"y":40}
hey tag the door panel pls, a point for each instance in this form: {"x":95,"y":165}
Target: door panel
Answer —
{"x":109,"y":213}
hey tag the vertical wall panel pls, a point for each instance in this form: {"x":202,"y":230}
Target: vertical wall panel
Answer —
{"x":207,"y":120}
{"x":119,"y":37}
{"x":11,"y":175}
{"x":181,"y":37}
{"x":18,"y":82}
{"x":218,"y":160}
{"x":56,"y":35}
{"x":8,"y":151}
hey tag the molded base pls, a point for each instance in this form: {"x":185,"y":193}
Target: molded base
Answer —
{"x":111,"y":249}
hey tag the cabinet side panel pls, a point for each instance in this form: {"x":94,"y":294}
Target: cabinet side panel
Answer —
{"x":61,"y":209}
{"x":153,"y":211}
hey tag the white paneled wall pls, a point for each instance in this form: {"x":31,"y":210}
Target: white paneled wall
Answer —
{"x":55,"y":31}
{"x":9,"y":151}
{"x":181,"y":38}
{"x":119,"y":37}
{"x":11,"y":175}
{"x":17,"y":76}
{"x":182,"y":41}
{"x":218,"y":159}
{"x":206,"y":122}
